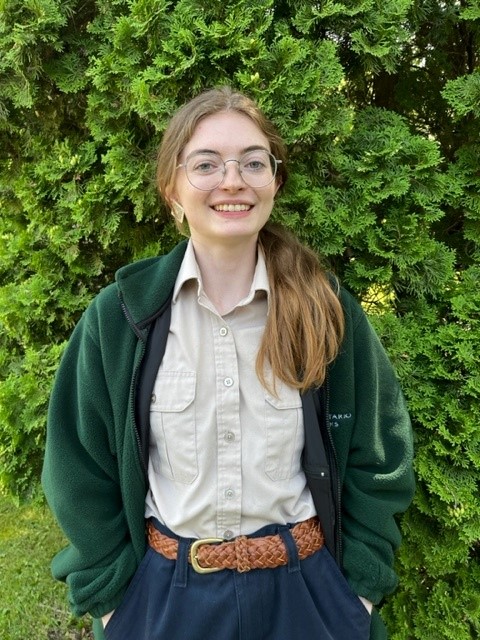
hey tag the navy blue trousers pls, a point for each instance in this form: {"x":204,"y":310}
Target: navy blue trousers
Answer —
{"x":305,"y":600}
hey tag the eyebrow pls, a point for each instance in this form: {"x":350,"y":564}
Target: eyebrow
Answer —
{"x":253,"y":147}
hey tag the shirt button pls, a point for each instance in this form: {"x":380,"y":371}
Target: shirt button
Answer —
{"x":229,"y":436}
{"x":229,"y":494}
{"x":228,"y":382}
{"x":153,"y":398}
{"x":227,"y":534}
{"x":223,"y":331}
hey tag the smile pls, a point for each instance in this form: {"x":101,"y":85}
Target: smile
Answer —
{"x":232,"y":207}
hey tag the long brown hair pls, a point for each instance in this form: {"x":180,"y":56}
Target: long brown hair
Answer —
{"x":305,"y":322}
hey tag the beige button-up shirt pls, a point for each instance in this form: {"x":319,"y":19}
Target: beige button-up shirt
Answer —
{"x":225,"y":455}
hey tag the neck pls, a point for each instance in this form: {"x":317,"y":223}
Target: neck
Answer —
{"x":227,"y":272}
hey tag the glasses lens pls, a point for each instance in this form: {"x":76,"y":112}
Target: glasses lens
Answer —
{"x":205,"y":170}
{"x":258,"y":168}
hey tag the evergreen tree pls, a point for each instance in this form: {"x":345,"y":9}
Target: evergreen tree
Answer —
{"x":379,"y":103}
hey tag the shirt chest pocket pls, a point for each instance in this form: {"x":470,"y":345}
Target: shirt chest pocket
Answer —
{"x":283,"y":433}
{"x":173,"y":442}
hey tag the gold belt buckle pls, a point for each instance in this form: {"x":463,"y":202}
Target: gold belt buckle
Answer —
{"x":194,"y":558}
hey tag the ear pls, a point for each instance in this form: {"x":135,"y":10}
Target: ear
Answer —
{"x":170,"y":196}
{"x":278,"y":185}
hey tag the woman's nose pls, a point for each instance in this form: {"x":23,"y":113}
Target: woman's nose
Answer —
{"x":232,"y":178}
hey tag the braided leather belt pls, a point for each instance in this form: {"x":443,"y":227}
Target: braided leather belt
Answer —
{"x":242,"y":554}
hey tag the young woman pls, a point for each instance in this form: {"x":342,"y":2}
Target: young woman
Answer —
{"x":227,"y":444}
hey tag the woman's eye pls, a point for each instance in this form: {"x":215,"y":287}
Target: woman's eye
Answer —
{"x":254,"y":165}
{"x":205,"y":167}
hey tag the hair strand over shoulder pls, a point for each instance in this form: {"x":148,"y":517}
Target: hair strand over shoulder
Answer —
{"x":305,"y":323}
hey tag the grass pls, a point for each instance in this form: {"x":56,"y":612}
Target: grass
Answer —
{"x":32,"y":604}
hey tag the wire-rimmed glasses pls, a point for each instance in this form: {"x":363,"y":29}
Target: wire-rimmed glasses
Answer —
{"x":206,"y":170}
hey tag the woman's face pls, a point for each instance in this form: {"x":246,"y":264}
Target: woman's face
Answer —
{"x":232,"y":212}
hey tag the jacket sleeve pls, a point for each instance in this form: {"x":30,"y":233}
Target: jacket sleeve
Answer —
{"x":81,"y":478}
{"x":373,"y":437}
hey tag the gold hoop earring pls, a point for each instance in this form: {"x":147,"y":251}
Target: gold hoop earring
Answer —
{"x":178,"y":212}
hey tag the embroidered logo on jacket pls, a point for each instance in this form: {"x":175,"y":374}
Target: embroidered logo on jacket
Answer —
{"x":336,"y":419}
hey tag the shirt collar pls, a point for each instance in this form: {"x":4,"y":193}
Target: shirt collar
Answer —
{"x":190,"y":270}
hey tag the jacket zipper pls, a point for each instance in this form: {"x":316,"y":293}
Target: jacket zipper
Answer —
{"x":132,"y":411}
{"x":133,"y":385}
{"x":338,"y":488}
{"x":130,"y":320}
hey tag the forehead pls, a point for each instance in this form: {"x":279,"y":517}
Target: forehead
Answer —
{"x":226,"y":132}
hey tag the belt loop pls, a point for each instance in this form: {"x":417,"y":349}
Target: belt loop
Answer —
{"x":292,"y":551}
{"x":181,"y":565}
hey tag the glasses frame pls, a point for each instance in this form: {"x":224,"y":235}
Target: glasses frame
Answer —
{"x":224,"y":172}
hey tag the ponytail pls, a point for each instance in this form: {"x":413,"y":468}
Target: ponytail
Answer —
{"x":305,"y":322}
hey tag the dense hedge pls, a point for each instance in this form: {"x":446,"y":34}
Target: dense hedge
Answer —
{"x":379,"y":102}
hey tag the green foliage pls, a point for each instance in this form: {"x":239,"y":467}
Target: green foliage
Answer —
{"x":31,"y":604}
{"x":378,"y":102}
{"x":463,"y":94}
{"x":23,"y":403}
{"x":437,"y":357}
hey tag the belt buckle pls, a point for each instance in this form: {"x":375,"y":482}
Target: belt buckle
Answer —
{"x":193,"y":554}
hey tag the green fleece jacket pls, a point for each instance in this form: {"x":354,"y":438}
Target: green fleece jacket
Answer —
{"x":93,"y":474}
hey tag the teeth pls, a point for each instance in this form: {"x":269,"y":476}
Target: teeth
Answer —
{"x":232,"y":207}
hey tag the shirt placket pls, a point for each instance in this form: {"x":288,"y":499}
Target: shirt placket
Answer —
{"x":229,"y":450}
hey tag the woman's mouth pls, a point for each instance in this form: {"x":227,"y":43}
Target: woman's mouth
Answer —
{"x":232,"y":207}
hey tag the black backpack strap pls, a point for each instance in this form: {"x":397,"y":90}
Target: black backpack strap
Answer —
{"x":317,"y":468}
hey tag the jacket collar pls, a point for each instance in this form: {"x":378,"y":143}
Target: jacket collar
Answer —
{"x":145,"y":286}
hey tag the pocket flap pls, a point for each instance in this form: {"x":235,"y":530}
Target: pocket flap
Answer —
{"x":288,"y":398}
{"x":173,"y":390}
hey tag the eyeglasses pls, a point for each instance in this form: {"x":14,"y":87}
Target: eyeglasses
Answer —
{"x":206,"y":171}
